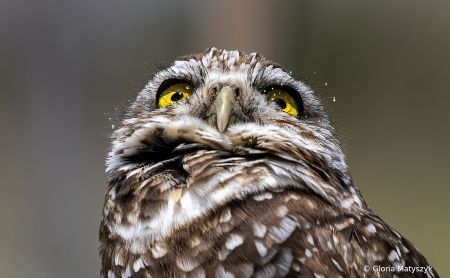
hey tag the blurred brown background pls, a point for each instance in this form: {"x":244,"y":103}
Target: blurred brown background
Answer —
{"x":65,"y":64}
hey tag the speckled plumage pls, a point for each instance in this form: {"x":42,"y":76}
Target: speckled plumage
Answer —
{"x":270,"y":196}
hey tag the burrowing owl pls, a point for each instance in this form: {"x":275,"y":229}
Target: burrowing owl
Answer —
{"x":226,"y":166}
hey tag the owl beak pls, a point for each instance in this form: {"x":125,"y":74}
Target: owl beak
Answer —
{"x":224,"y":107}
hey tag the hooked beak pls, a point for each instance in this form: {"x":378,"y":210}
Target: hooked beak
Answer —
{"x":223,"y":105}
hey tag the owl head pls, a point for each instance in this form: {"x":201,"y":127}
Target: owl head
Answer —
{"x":244,"y":106}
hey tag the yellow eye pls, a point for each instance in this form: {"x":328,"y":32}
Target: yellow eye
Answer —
{"x":284,"y":101}
{"x":174,"y":93}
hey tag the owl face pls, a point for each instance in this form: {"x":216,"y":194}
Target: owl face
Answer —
{"x":259,"y":91}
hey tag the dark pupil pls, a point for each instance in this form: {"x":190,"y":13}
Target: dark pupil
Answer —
{"x":177,"y":96}
{"x":281,"y":103}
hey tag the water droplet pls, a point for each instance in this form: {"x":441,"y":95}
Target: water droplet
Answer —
{"x":112,"y":126}
{"x":334,"y":99}
{"x":326,"y":84}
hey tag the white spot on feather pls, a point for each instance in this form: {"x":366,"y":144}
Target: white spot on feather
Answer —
{"x":222,"y":273}
{"x":393,"y":256}
{"x":262,"y":250}
{"x":260,"y":229}
{"x":404,"y":248}
{"x":308,"y":253}
{"x":159,"y":250}
{"x":111,"y":274}
{"x":138,"y":264}
{"x":340,"y":226}
{"x":263,"y":196}
{"x":337,"y":264}
{"x":225,"y":215}
{"x":282,"y":211}
{"x":291,"y":196}
{"x":288,"y":226}
{"x":346,"y":203}
{"x":195,"y":241}
{"x":234,"y":241}
{"x":223,"y":254}
{"x":371,"y":229}
{"x":119,"y":260}
{"x":187,"y":263}
{"x":127,"y":272}
{"x":284,"y":262}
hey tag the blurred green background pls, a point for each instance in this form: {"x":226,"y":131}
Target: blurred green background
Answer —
{"x":64,"y":65}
